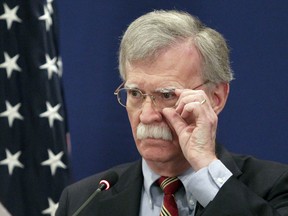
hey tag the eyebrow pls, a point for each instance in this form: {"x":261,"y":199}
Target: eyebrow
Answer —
{"x":166,"y":89}
{"x":134,"y":86}
{"x":162,"y":89}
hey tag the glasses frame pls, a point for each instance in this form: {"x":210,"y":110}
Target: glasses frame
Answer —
{"x":120,"y":87}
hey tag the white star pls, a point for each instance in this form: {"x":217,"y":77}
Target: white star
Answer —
{"x":11,"y":161}
{"x":54,"y":161}
{"x":52,"y":208}
{"x":60,"y":66}
{"x":49,"y":6}
{"x":11,"y":113}
{"x":10,"y":15}
{"x":4,"y":211}
{"x":47,"y":18}
{"x":50,"y":65}
{"x":52,"y":113}
{"x":10,"y":64}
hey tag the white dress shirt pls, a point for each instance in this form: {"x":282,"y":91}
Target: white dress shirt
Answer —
{"x":201,"y":186}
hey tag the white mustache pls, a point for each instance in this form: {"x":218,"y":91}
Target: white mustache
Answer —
{"x":153,"y":131}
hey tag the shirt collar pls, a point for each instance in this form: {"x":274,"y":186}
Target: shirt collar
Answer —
{"x":150,"y":177}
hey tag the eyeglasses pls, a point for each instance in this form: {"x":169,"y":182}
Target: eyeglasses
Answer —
{"x":134,"y":98}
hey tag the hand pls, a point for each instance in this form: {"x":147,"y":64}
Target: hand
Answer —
{"x":195,"y":123}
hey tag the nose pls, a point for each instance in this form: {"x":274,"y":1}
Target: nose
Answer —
{"x":149,"y":112}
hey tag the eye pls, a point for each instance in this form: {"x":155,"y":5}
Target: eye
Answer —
{"x":168,"y":95}
{"x":134,"y":93}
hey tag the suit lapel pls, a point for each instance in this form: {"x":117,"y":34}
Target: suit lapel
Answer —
{"x":227,"y":159}
{"x":126,"y":202}
{"x":124,"y":198}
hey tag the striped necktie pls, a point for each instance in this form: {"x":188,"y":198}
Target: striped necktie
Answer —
{"x":169,"y":185}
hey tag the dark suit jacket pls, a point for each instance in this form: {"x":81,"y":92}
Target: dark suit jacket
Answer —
{"x":256,"y":188}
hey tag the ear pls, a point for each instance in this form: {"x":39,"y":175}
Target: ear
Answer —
{"x":219,"y":94}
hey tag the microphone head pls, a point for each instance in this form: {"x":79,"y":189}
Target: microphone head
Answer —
{"x":108,"y":180}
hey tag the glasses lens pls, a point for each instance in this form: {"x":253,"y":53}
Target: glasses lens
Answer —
{"x":130,"y":97}
{"x":166,"y":98}
{"x":122,"y":97}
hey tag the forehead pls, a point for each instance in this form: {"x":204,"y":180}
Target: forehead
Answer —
{"x":178,"y":66}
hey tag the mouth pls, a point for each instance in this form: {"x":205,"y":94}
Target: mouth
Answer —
{"x":155,"y":143}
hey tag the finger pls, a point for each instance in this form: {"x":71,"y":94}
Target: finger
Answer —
{"x":184,"y":92}
{"x":175,"y":120}
{"x":181,"y":93}
{"x":191,"y":110}
{"x":190,"y":100}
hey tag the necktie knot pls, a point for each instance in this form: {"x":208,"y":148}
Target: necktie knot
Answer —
{"x":169,"y":185}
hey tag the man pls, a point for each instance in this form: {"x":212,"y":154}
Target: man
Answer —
{"x":176,"y":75}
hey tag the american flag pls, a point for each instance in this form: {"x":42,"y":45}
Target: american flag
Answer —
{"x":33,"y":129}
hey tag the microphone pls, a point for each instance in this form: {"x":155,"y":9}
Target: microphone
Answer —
{"x":107,"y":181}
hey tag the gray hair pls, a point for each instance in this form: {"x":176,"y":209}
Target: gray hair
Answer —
{"x":153,"y":32}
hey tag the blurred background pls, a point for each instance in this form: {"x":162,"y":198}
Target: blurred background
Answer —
{"x":255,"y":119}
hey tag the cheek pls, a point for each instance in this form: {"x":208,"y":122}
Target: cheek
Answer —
{"x":134,"y":120}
